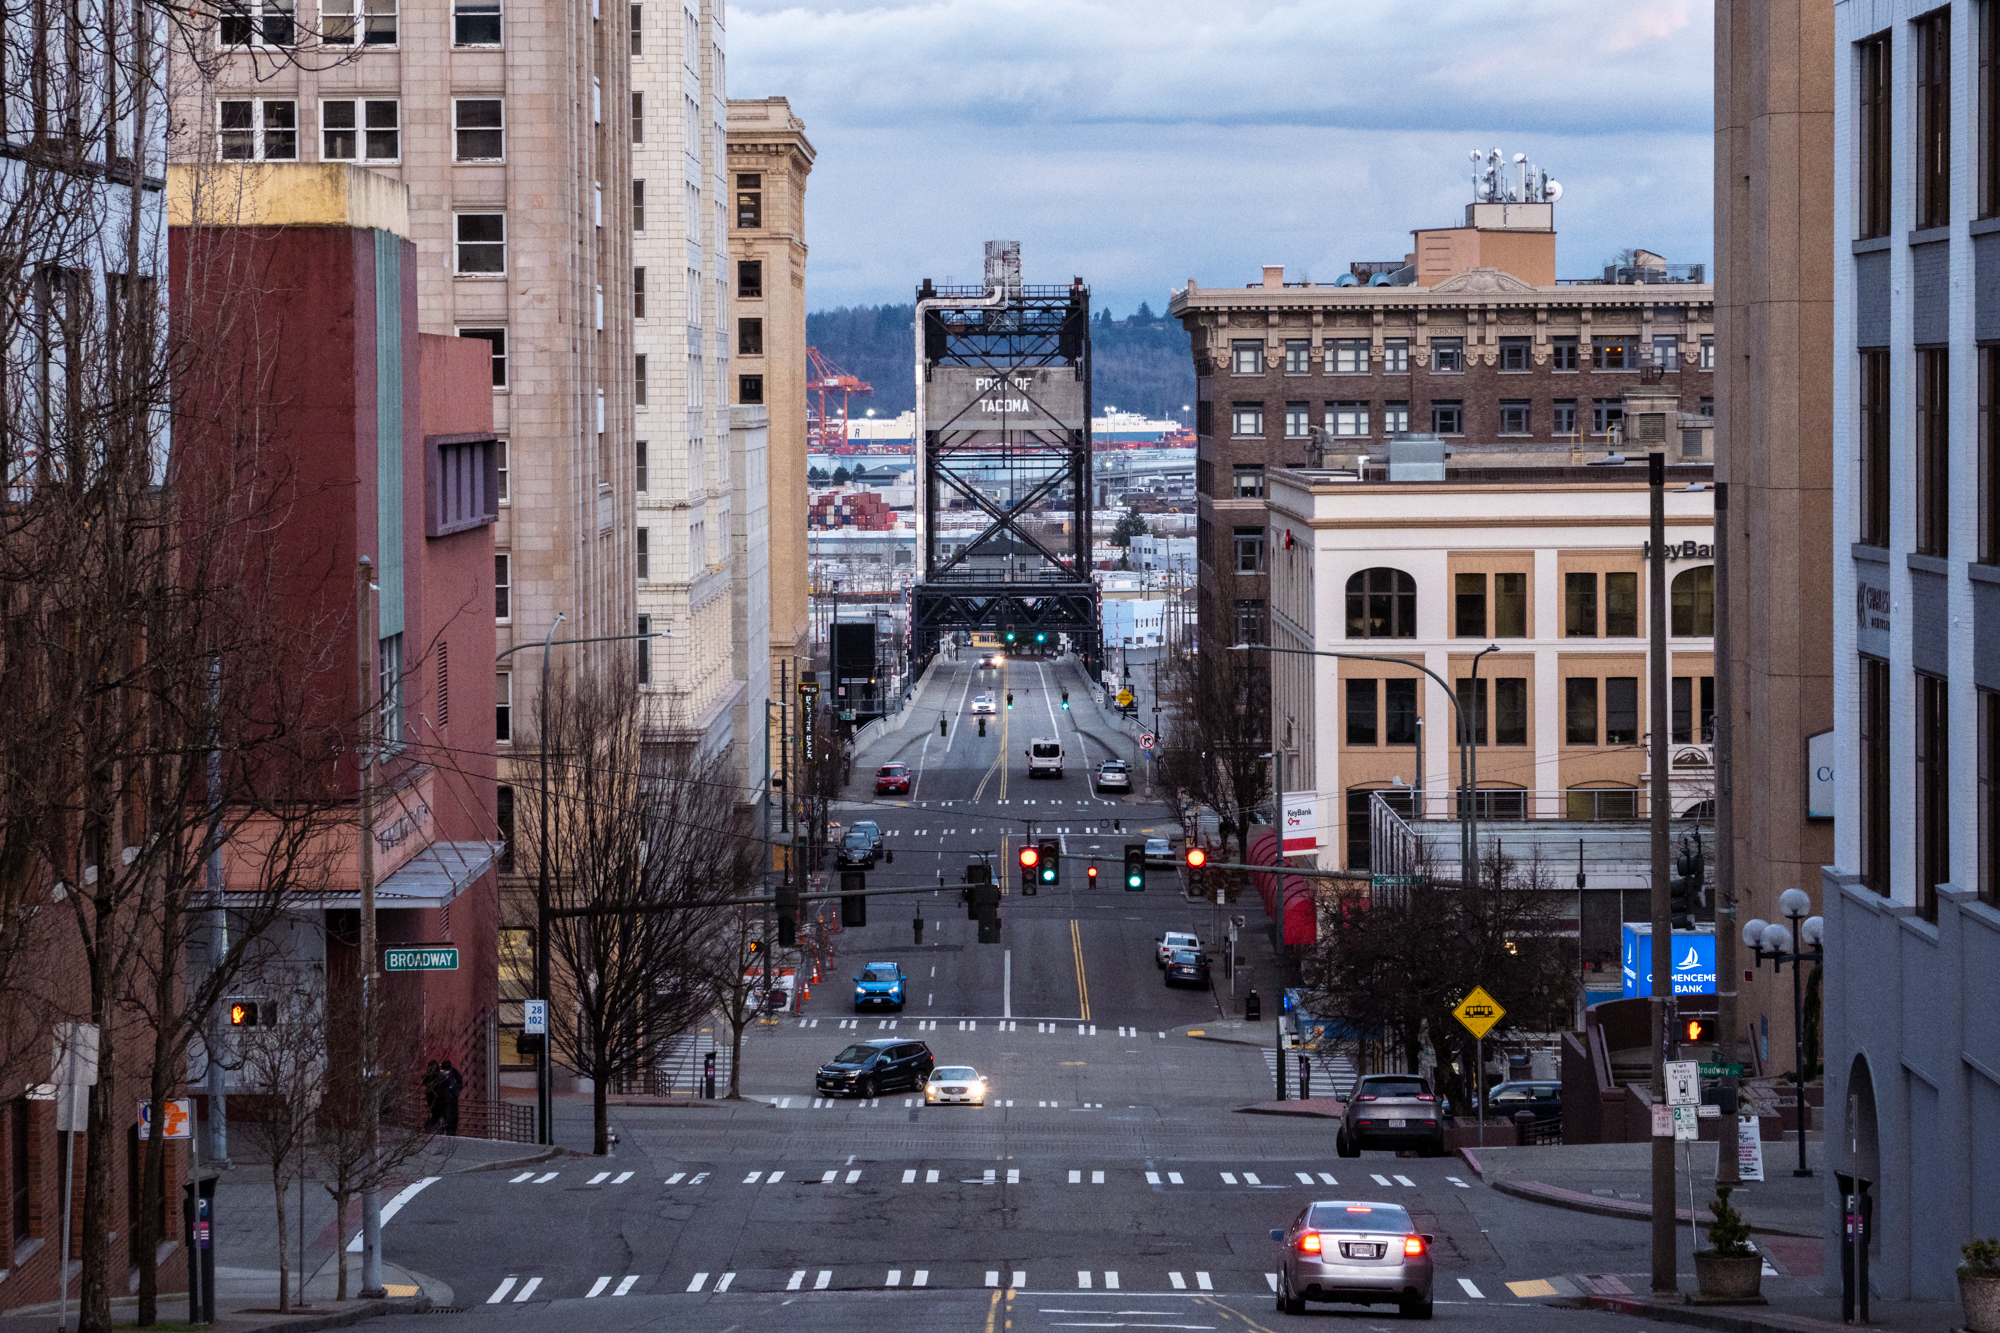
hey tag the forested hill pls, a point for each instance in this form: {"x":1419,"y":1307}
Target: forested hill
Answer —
{"x":1141,"y":362}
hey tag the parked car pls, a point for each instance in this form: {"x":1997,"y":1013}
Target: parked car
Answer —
{"x":1392,"y":1111}
{"x":1543,"y":1098}
{"x":1114,"y":775}
{"x":955,"y":1083}
{"x":1171,"y":941}
{"x":857,"y":849}
{"x":892,"y":780}
{"x":1187,"y":967}
{"x":870,"y":828}
{"x":1358,"y":1253}
{"x":880,"y":984}
{"x":870,"y":1068}
{"x":982,"y":704}
{"x":1159,"y":849}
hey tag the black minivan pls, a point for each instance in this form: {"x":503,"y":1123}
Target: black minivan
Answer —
{"x":869,"y":1068}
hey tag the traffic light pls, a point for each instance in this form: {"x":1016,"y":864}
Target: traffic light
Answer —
{"x":1196,"y":858}
{"x":1135,"y":867}
{"x":1010,"y":698}
{"x":1009,"y":635}
{"x":1031,"y":857}
{"x":1041,"y":636}
{"x":756,"y":947}
{"x":1691,"y":868}
{"x":243,"y":1013}
{"x":788,"y":914}
{"x":1049,"y":867}
{"x":986,"y":911}
{"x":853,"y":907}
{"x":1065,"y":700}
{"x":1695,"y":1030}
{"x":975,"y":875}
{"x":1091,"y":875}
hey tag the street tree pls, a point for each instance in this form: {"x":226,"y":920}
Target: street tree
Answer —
{"x":1216,"y":732}
{"x":1130,"y":525}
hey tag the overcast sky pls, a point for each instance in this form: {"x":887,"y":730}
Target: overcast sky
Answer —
{"x":1140,"y":143}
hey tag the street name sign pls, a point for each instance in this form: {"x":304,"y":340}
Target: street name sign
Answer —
{"x":420,"y":958}
{"x":1479,"y":1012}
{"x":1683,"y":1083}
{"x":1721,"y":1071}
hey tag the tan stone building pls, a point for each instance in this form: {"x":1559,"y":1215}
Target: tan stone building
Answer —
{"x":769,"y":160}
{"x":1774,"y":432}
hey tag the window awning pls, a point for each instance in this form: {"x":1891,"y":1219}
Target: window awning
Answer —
{"x":431,"y":878}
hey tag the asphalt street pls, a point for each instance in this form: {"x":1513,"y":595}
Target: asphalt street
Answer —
{"x":1111,"y":1181}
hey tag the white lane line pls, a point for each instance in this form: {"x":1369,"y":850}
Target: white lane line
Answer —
{"x":527,"y":1289}
{"x":1180,"y":1283}
{"x":1383,"y":1181}
{"x":676,"y":1177}
{"x":394,"y":1206}
{"x":922,"y":1278}
{"x":1405,"y":1180}
{"x":500,"y":1292}
{"x":1471,"y":1290}
{"x":1202,"y":1280}
{"x":1326,"y":1178}
{"x":798,"y":1280}
{"x":721,"y":1283}
{"x":597,"y":1288}
{"x":825,"y":1277}
{"x":599,"y":1178}
{"x":1456,"y":1181}
{"x":621,"y":1177}
{"x":700,"y":1281}
{"x":527,"y":1175}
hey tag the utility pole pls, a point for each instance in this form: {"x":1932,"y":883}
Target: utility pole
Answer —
{"x":366,"y":650}
{"x":1666,"y":1266}
{"x":1726,"y":1172}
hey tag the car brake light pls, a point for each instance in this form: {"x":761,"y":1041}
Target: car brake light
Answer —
{"x":1365,"y":1097}
{"x":1426,"y":1097}
{"x":1309,"y":1243}
{"x":1413,"y":1245}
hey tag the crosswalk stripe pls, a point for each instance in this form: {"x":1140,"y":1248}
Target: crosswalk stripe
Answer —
{"x":1405,"y":1180}
{"x":700,"y":1281}
{"x":525,"y":1175}
{"x":546,"y":1177}
{"x":597,"y":1288}
{"x":1456,"y":1181}
{"x":895,"y":1278}
{"x":910,"y":1176}
{"x":1471,"y":1289}
{"x":853,"y":1176}
{"x":827,"y":1179}
{"x":922,"y":1278}
{"x":774,"y":1177}
{"x":527,"y":1289}
{"x":1180,"y":1283}
{"x":754,"y":1176}
{"x":1305,"y":1177}
{"x":1250,"y":1179}
{"x":992,"y":1278}
{"x":798,"y":1280}
{"x":1076,"y":1177}
{"x":1097,"y":1177}
{"x":825,"y":1277}
{"x":1013,"y":1175}
{"x":1229,"y":1178}
{"x":500,"y":1292}
{"x":1111,"y":1280}
{"x":1272,"y":1280}
{"x":676,"y":1177}
{"x":721,"y":1284}
{"x":1174,"y":1178}
{"x":599,"y":1178}
{"x":632,"y":1280}
{"x":1383,"y":1181}
{"x":1152,"y":1177}
{"x":1020,"y":1279}
{"x":1083,"y":1279}
{"x":622,"y":1177}
{"x":1326,"y":1178}
{"x":1201,"y":1280}
{"x":931,"y":1177}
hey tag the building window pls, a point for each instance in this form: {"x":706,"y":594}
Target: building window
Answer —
{"x":1621,"y":710}
{"x":1989,"y":483}
{"x":501,"y":454}
{"x":482,"y":243}
{"x":1249,"y":479}
{"x":1692,"y":599}
{"x":1347,"y":419}
{"x":497,"y":339}
{"x":1933,"y":450}
{"x":749,"y":200}
{"x":639,"y":291}
{"x":1874,"y":450}
{"x":1621,"y":606}
{"x":1875,"y":794}
{"x":1514,"y":354}
{"x":645,"y":644}
{"x":1298,"y":356}
{"x":389,"y":696}
{"x":1933,"y":142}
{"x":1580,"y":710}
{"x":638,"y":30}
{"x":365,"y":131}
{"x":1510,"y":606}
{"x":260,"y":130}
{"x":503,"y":707}
{"x":503,"y":586}
{"x":638,"y":117}
{"x":1349,"y":356}
{"x":1298,"y":420}
{"x":750,"y":337}
{"x":258,"y":23}
{"x":1580,"y":606}
{"x":1705,"y":407}
{"x":1250,"y":620}
{"x":1989,"y":111}
{"x":1447,"y":355}
{"x":1399,"y":711}
{"x":1601,"y":803}
{"x":1510,"y":710}
{"x":1395,"y":356}
{"x":374,"y":21}
{"x":1667,"y":351}
{"x":639,"y":466}
{"x":1606,"y":413}
{"x":479,"y":129}
{"x":1707,"y":362}
{"x":1872,"y":137}
{"x":1396,"y":418}
{"x":1989,"y":798}
{"x":1249,"y":550}
{"x":641,"y":564}
{"x":750,"y":389}
{"x":1246,"y":357}
{"x":638,"y":205}
{"x":1468,"y":608}
{"x":1361,"y":728}
{"x":1562,"y":416}
{"x":475,"y":22}
{"x":503,"y":812}
{"x":1684,"y":715}
{"x":1246,"y":419}
{"x":1447,"y":417}
{"x":1563,"y":353}
{"x":1933,"y":792}
{"x":749,"y":279}
{"x":1381,"y":604}
{"x":1471,"y":711}
{"x":639,"y":380}
{"x":1613,"y":354}
{"x":1514,"y":416}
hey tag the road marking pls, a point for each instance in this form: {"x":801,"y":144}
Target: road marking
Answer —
{"x":1534,"y":1287}
{"x":1083,"y":1279}
{"x":529,"y":1175}
{"x":721,"y":1284}
{"x":922,"y":1278}
{"x":1013,"y":1175}
{"x":853,"y":1176}
{"x":597,"y":1288}
{"x":992,"y":1278}
{"x":500,"y":1292}
{"x":1456,"y":1181}
{"x":1082,"y":978}
{"x":1111,"y":1280}
{"x":1250,"y":1179}
{"x":828,"y":1178}
{"x":774,"y":1177}
{"x":394,"y":1206}
{"x":989,"y":1176}
{"x":527,"y":1289}
{"x":910,"y":1176}
{"x":1020,"y":1279}
{"x":1097,"y":1177}
{"x":798,"y":1280}
{"x":676,"y":1178}
{"x":825,"y":1277}
{"x":895,"y":1278}
{"x":622,"y":1177}
{"x":1472,"y":1289}
{"x":599,"y":1178}
{"x":1405,"y":1180}
{"x":753,"y":1177}
{"x":1305,"y":1178}
{"x":1152,"y":1177}
{"x":1076,"y":1177}
{"x":1180,"y":1283}
{"x":1201,"y":1280}
{"x":1326,"y":1178}
{"x":931,"y":1177}
{"x":1383,"y":1181}
{"x":700,"y":1281}
{"x":699,"y":1176}
{"x":1229,"y":1178}
{"x":1174,"y":1178}
{"x":1272,"y":1280}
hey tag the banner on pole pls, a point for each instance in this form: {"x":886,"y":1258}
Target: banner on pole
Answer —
{"x":1301,"y":822}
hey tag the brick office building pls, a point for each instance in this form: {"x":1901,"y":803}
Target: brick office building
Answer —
{"x":1472,"y":338}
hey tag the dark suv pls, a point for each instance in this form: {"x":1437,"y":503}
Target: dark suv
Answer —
{"x":1545,"y":1099}
{"x":870,"y":1068}
{"x":1392,"y":1111}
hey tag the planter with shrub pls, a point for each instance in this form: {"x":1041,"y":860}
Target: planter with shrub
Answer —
{"x":1730,"y":1271}
{"x":1979,"y":1285}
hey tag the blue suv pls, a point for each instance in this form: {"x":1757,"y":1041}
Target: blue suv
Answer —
{"x":880,"y":983}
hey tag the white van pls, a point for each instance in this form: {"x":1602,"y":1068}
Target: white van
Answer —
{"x":1045,"y":758}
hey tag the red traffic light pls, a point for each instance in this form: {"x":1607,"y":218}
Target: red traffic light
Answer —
{"x":1029,"y":858}
{"x":1196,"y":858}
{"x":1092,"y":873}
{"x":1695,"y":1029}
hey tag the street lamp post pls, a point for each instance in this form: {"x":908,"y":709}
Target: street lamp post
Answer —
{"x":544,"y":1108}
{"x":1774,"y":943}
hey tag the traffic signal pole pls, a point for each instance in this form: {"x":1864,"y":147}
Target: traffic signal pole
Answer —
{"x":1666,"y":1266}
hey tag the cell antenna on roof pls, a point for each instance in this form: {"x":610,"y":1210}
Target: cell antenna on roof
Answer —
{"x":1498,"y":180}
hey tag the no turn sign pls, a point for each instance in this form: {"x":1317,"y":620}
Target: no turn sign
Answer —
{"x":1145,"y":740}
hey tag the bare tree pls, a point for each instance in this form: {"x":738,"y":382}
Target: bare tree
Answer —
{"x":1218,"y":729}
{"x":283,"y":1058}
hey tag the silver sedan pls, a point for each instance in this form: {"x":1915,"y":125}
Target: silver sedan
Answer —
{"x":1357,"y":1252}
{"x":955,"y":1083}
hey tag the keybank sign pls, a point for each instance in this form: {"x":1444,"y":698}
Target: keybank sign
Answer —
{"x":1693,"y":955}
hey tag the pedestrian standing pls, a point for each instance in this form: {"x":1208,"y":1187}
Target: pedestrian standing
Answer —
{"x":917,"y":927}
{"x":433,"y":1097}
{"x":452,"y":1084}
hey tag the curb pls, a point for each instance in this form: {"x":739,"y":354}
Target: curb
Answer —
{"x":418,"y":1304}
{"x":1536,"y":1192}
{"x":1272,"y":1110}
{"x":1695,"y":1316}
{"x":512,"y":1164}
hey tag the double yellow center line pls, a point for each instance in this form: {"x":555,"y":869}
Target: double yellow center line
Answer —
{"x":1082,"y":981}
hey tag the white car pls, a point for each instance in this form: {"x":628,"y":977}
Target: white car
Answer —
{"x":1172,"y":940}
{"x":982,"y":703}
{"x":955,"y":1083}
{"x":1114,"y":775}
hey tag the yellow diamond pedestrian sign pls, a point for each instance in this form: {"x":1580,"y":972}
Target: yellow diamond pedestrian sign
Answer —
{"x":1124,"y":698}
{"x":1479,"y":1012}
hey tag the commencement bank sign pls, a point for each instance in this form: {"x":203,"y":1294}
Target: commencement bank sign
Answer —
{"x":1693,"y":958}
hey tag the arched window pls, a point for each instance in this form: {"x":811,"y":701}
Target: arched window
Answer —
{"x":1693,"y":602}
{"x":1381,"y":604}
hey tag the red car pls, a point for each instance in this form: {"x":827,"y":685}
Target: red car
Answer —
{"x":892,"y":779}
